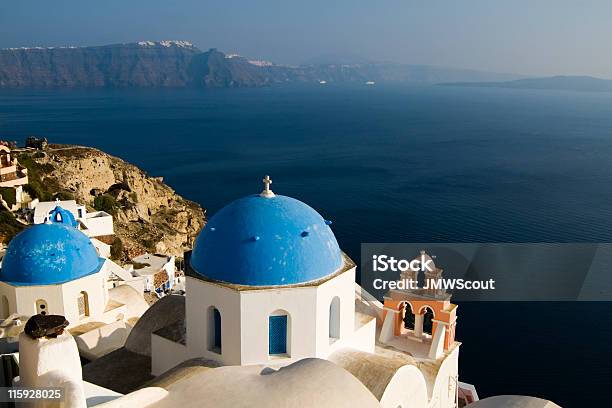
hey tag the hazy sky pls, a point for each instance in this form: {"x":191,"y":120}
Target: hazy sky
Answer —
{"x":538,"y":37}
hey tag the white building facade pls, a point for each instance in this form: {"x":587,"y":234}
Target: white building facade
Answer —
{"x":157,"y":271}
{"x":93,"y":224}
{"x":236,"y":325}
{"x":12,"y":175}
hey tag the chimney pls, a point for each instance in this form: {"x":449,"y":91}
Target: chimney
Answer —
{"x":48,"y":357}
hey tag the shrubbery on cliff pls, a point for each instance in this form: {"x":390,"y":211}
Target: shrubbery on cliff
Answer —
{"x":106,"y":203}
{"x":9,"y":226}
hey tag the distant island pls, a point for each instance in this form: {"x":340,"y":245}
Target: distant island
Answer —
{"x":561,"y":83}
{"x":153,"y":64}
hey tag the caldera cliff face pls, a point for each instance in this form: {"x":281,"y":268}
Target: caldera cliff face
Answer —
{"x":149,"y":215}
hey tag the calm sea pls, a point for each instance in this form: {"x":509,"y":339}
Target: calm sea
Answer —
{"x":391,"y":164}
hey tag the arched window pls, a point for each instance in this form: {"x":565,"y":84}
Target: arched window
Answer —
{"x":334,"y":318}
{"x":4,"y":308}
{"x":83,"y":304}
{"x":408,"y":317}
{"x":214,"y":330}
{"x":278,"y":333}
{"x":41,"y":307}
{"x":428,"y":317}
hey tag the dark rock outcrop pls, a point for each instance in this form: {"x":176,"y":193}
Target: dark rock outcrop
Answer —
{"x":49,"y":326}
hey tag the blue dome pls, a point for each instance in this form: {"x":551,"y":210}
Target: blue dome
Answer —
{"x":48,"y":254}
{"x":262,"y":241}
{"x":61,"y":216}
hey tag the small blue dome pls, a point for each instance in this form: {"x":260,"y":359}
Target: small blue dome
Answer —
{"x":60,"y":215}
{"x":48,"y":254}
{"x":262,"y":241}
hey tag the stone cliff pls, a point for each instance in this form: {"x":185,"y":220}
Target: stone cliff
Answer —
{"x":177,"y":64}
{"x":149,"y":215}
{"x":165,"y":64}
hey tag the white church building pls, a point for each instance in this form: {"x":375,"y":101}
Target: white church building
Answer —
{"x":53,"y":268}
{"x":267,"y":283}
{"x":48,"y":264}
{"x":273,"y":318}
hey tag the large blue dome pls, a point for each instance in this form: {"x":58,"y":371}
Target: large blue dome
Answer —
{"x":48,"y":254}
{"x":262,"y":241}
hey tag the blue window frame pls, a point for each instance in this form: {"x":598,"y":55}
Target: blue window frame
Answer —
{"x":217,"y":323}
{"x":278,"y":335}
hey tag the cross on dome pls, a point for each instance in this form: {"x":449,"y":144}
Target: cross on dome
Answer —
{"x":267,"y":192}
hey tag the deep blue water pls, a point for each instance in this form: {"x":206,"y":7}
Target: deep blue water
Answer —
{"x":391,"y":164}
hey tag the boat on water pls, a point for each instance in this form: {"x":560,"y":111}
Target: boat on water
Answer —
{"x":370,"y":83}
{"x":322,"y":82}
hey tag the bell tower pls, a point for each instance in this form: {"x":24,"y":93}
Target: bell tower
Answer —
{"x":420,"y":320}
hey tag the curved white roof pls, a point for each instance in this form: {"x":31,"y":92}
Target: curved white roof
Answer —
{"x":513,"y":401}
{"x":306,"y":383}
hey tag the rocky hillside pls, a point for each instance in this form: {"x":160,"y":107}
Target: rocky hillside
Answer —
{"x":149,"y":215}
{"x":180,"y":64}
